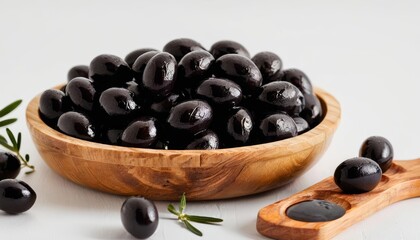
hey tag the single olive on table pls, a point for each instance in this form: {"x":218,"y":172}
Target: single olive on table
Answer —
{"x":16,"y":196}
{"x":139,"y":217}
{"x":184,"y":97}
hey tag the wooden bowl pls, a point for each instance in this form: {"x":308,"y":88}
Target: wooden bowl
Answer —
{"x":166,"y":174}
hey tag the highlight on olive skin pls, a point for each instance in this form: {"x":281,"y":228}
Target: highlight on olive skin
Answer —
{"x":215,"y":98}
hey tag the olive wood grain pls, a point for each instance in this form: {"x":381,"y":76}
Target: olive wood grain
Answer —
{"x":401,"y":181}
{"x":166,"y":174}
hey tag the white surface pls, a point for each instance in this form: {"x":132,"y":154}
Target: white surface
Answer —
{"x":364,"y":52}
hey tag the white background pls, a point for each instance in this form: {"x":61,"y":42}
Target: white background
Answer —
{"x":366,"y":53}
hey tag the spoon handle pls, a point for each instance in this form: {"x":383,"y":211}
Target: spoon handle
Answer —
{"x":401,"y":181}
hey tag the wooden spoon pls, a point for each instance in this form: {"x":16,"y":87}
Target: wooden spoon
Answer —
{"x":401,"y":181}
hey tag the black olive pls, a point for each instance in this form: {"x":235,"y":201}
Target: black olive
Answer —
{"x":132,"y":56}
{"x":239,"y":69}
{"x":194,"y":68}
{"x":299,"y":79}
{"x":224,"y":47}
{"x":9,"y":165}
{"x":380,"y":150}
{"x":139,"y":217}
{"x":109,"y":71}
{"x":220,"y":92}
{"x":191,"y":116}
{"x":76,"y":125}
{"x":301,"y":124}
{"x":78,"y":71}
{"x":277,"y":127}
{"x":140,"y":133}
{"x":205,"y":140}
{"x":82,"y":93}
{"x":282,"y":96}
{"x":140,"y":64}
{"x":118,"y":102}
{"x":357,"y":175}
{"x":16,"y":196}
{"x":52,"y":104}
{"x":163,"y":107}
{"x":312,"y":112}
{"x":160,"y":74}
{"x":180,"y":47}
{"x":269,"y":65}
{"x":238,"y":127}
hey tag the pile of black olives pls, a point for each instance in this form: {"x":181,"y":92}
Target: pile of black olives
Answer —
{"x":184,"y":97}
{"x":362,"y":174}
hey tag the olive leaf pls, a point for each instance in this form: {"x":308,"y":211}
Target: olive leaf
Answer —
{"x":9,"y":108}
{"x":185,"y":218}
{"x":7,"y":122}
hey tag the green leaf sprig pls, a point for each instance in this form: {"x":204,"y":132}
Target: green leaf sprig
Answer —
{"x":15,"y":140}
{"x":185,"y":218}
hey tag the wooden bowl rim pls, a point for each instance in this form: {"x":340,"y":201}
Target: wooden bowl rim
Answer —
{"x":330,"y":120}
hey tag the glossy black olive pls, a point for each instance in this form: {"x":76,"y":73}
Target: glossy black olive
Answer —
{"x":301,"y":124}
{"x":277,"y":127}
{"x":117,"y":102}
{"x":140,"y":64}
{"x":163,"y":107}
{"x":132,"y":56}
{"x":16,"y":196}
{"x":312,"y":112}
{"x":357,"y":175}
{"x":191,"y":116}
{"x":220,"y":92}
{"x":140,"y":133}
{"x":238,"y":127}
{"x":180,"y":47}
{"x":160,"y":74}
{"x":299,"y":79}
{"x":81,"y":93}
{"x":139,"y":217}
{"x":52,"y":104}
{"x":269,"y":65}
{"x":78,"y":71}
{"x":239,"y":69}
{"x":380,"y":150}
{"x":77,"y":125}
{"x":194,"y":68}
{"x":205,"y":140}
{"x":282,"y":96}
{"x":224,"y":47}
{"x":9,"y":165}
{"x":109,"y":71}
